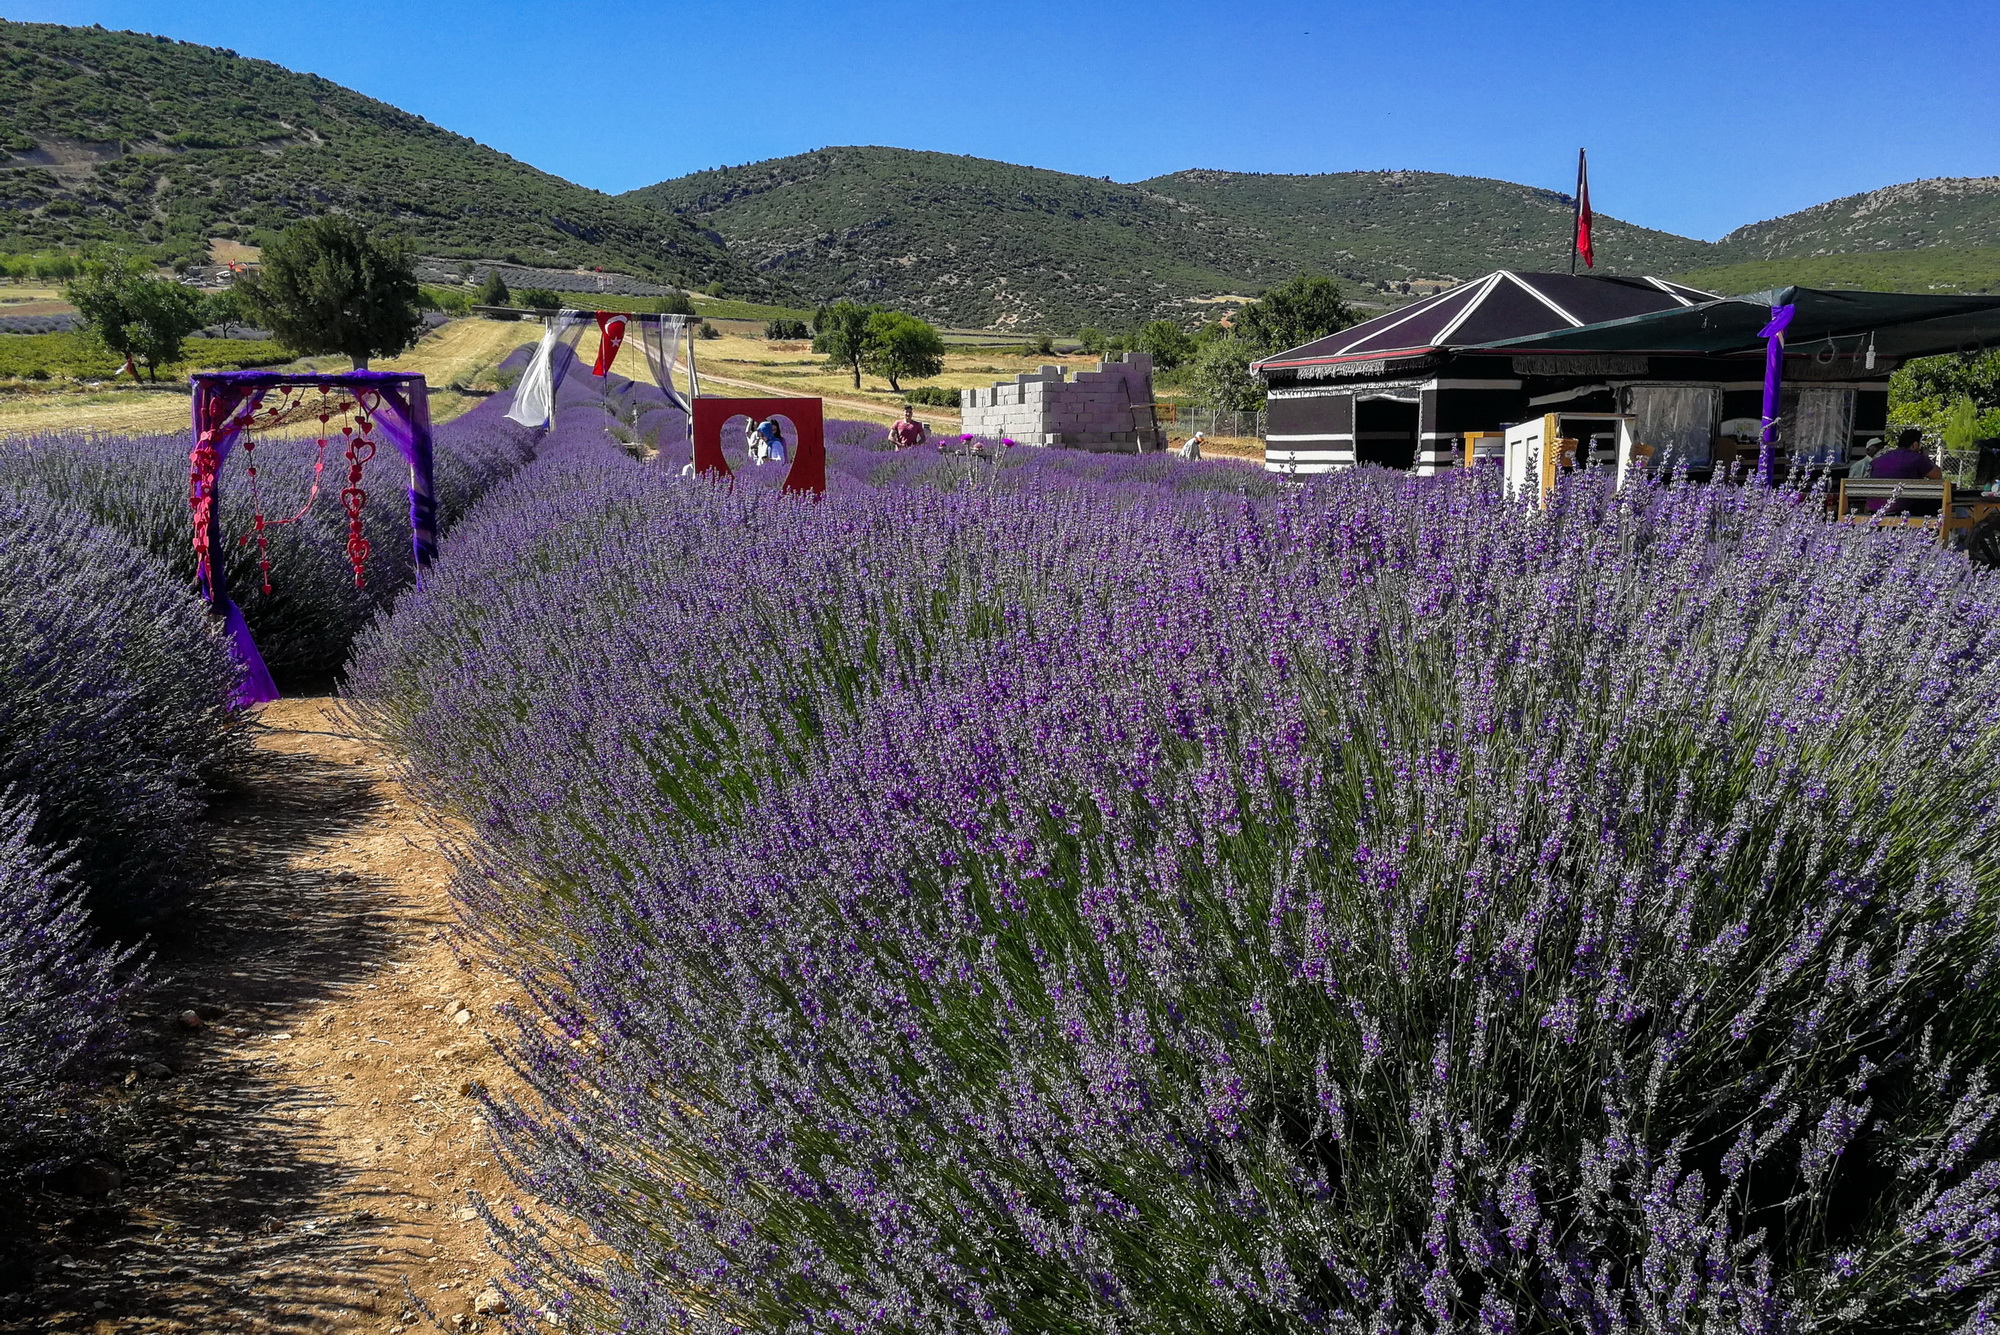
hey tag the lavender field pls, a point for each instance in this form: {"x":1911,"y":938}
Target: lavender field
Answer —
{"x":1033,"y":891}
{"x":1042,"y":892}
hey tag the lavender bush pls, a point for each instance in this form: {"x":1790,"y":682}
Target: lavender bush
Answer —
{"x":1087,"y":902}
{"x":137,"y":485}
{"x":59,"y":997}
{"x":115,"y":712}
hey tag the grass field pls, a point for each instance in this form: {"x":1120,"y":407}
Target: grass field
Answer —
{"x":794,"y":368}
{"x":74,"y":357}
{"x":463,"y":354}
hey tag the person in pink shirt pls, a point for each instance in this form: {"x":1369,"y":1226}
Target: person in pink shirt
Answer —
{"x":1907,"y":462}
{"x":908,"y":433}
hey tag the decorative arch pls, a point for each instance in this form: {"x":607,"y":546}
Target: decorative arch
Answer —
{"x":355,"y":409}
{"x":808,"y":418}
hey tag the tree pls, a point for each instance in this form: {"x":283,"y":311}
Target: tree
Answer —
{"x":493,"y":292}
{"x":225,"y":308}
{"x":1926,"y":392}
{"x":902,"y":345}
{"x":167,"y":313}
{"x":674,"y":303}
{"x":1307,"y":307}
{"x":327,"y":286}
{"x":1090,"y":339}
{"x":781,"y":329}
{"x":840,"y":333}
{"x":539,"y":299}
{"x":1166,"y":342}
{"x":134,"y":315}
{"x":1222,"y":379}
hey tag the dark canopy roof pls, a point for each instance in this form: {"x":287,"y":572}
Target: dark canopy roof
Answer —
{"x":1900,"y":324}
{"x":1501,"y":305}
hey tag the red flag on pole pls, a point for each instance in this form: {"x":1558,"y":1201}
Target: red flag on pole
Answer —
{"x":611,"y":336}
{"x":1582,"y":243}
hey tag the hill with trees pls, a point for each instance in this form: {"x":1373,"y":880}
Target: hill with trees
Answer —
{"x":1950,"y":212}
{"x":968,"y":241}
{"x":1933,"y":269}
{"x":1387,"y":229}
{"x":146,"y":141}
{"x":971,"y":241}
{"x":164,"y":145}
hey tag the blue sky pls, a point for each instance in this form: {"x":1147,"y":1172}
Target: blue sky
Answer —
{"x":1698,"y":116}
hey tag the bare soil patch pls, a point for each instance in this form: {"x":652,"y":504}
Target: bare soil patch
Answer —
{"x":309,"y":1149}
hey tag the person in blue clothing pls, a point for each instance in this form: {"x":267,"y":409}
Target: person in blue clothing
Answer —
{"x":774,"y":439}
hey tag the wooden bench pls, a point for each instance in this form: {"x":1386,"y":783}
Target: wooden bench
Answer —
{"x":1857,"y":489}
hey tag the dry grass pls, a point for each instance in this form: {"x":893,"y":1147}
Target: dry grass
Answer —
{"x":127,"y":410}
{"x":222,"y":250}
{"x":465,"y":353}
{"x":32,"y":300}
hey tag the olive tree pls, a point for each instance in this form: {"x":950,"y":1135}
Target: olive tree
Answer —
{"x":902,"y":345}
{"x":133,"y":314}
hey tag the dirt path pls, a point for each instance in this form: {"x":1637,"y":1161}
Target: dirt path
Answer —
{"x":292,"y":1162}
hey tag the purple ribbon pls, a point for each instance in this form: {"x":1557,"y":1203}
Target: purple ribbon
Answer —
{"x":1774,"y":375}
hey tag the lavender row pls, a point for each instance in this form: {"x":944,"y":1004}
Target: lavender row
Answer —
{"x":114,"y":702}
{"x":115,"y":725}
{"x":1060,"y":898}
{"x":64,"y":996}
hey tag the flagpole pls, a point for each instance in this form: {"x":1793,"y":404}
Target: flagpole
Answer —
{"x":1576,"y":214}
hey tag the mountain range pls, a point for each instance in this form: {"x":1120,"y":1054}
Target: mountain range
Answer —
{"x":146,"y":141}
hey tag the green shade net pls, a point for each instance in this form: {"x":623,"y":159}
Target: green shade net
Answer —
{"x":1899,"y":324}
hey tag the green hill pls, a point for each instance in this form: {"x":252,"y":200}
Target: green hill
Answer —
{"x":108,"y":136}
{"x":968,"y":241}
{"x":1956,"y":212}
{"x":112,"y":136}
{"x":1937,"y":269}
{"x":977,"y":242}
{"x":1386,"y":228}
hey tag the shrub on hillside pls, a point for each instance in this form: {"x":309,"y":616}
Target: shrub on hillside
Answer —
{"x":59,"y":997}
{"x":1382,"y":908}
{"x":937,"y":396}
{"x":115,"y":712}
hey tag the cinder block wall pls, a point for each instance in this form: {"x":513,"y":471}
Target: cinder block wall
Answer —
{"x":1108,"y":409}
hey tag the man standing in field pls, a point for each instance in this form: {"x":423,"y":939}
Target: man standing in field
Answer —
{"x":908,"y":433}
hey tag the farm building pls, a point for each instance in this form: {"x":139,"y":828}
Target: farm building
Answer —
{"x":1433,"y":383}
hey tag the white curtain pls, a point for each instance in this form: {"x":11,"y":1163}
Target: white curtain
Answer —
{"x":535,"y":392}
{"x":1678,"y":421}
{"x":1822,"y":423}
{"x":662,"y":335}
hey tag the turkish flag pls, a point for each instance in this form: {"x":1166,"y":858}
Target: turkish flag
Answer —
{"x":610,"y":337}
{"x":1583,"y":212}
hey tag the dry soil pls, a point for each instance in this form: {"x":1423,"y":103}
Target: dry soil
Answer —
{"x":311,"y":1148}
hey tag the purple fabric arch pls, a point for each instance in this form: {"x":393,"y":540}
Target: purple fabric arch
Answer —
{"x":225,"y":403}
